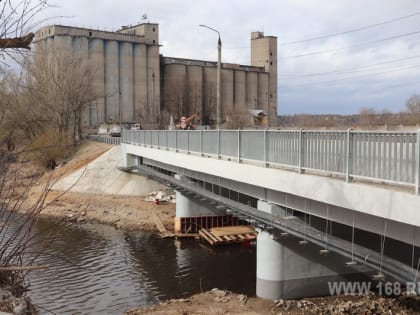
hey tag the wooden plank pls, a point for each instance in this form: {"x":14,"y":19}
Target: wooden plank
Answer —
{"x":232,"y":230}
{"x":209,"y":236}
{"x":203,"y":234}
{"x":219,"y":239}
{"x":158,"y":222}
{"x":228,"y":235}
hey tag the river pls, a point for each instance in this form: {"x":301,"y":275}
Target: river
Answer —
{"x":97,"y":269}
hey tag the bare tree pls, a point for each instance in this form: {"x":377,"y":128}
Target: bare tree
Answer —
{"x":17,"y":19}
{"x":367,"y":117}
{"x":413,"y":108}
{"x":238,"y":120}
{"x":413,"y":104}
{"x":59,"y":86}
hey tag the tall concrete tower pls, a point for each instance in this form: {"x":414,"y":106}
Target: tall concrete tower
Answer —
{"x":264,"y":54}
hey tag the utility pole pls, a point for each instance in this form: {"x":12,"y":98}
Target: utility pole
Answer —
{"x":218,"y":78}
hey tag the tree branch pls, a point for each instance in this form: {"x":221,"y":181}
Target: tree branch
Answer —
{"x":17,"y":42}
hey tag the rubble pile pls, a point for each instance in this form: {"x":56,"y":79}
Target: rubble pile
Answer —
{"x":351,"y":305}
{"x":160,"y":196}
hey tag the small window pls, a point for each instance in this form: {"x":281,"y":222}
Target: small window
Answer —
{"x":49,"y":31}
{"x":90,"y":33}
{"x":153,"y":29}
{"x":271,"y":54}
{"x":271,"y":62}
{"x":154,"y":41}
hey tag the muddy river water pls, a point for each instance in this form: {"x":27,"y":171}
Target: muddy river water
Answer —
{"x":97,"y":269}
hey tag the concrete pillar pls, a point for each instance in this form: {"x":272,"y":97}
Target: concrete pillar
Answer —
{"x":81,"y":50}
{"x":112,"y":88}
{"x":288,"y":270}
{"x":240,"y":91}
{"x":96,"y":55}
{"x":195,"y":89}
{"x":140,"y":83}
{"x":153,"y":88}
{"x":252,"y":89}
{"x":263,"y":93}
{"x":188,"y":207}
{"x":227,"y":93}
{"x":209,"y":97}
{"x":269,"y":267}
{"x":126,"y":81}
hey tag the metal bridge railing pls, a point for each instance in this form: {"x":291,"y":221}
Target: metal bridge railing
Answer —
{"x":390,"y":157}
{"x":105,"y":139}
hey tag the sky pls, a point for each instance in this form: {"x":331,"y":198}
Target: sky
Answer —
{"x":376,"y":67}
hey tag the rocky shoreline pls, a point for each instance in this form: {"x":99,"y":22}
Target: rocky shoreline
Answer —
{"x":10,"y":304}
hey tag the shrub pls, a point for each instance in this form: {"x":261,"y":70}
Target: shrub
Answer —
{"x":49,"y":148}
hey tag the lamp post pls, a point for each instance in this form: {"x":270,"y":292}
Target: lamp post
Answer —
{"x":218,"y":78}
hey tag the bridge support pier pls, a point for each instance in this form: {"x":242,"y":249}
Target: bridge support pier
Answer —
{"x":286,"y":270}
{"x":189,"y":207}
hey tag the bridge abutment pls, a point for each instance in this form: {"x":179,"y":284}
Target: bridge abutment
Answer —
{"x":128,"y":160}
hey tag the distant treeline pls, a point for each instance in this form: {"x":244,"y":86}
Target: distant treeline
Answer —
{"x":368,"y":118}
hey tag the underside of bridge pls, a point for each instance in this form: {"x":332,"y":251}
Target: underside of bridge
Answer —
{"x":303,"y":243}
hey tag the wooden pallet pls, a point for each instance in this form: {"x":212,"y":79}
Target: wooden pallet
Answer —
{"x":228,"y":235}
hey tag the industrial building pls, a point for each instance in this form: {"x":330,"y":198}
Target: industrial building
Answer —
{"x":137,"y":84}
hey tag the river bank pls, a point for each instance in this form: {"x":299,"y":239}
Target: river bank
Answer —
{"x":89,"y":188}
{"x":224,"y":302}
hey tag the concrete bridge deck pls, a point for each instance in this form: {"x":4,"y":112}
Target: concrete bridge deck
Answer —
{"x":368,"y":181}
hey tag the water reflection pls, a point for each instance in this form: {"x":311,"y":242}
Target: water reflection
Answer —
{"x":96,"y":269}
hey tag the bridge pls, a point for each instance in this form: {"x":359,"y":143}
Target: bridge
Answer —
{"x":329,"y":205}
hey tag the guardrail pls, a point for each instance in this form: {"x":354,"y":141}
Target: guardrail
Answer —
{"x":105,"y":139}
{"x":388,"y":157}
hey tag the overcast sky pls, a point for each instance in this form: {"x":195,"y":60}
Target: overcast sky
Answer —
{"x":378,"y":75}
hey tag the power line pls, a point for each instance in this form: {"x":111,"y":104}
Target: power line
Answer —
{"x":355,"y":45}
{"x":359,"y":76}
{"x":351,"y":31}
{"x":344,"y":71}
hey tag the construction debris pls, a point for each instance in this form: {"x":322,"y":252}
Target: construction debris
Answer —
{"x":160,"y":196}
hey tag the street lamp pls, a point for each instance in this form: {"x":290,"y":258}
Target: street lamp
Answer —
{"x":218,"y":79}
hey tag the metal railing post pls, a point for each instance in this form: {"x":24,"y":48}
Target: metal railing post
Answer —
{"x":166,"y":140}
{"x":239,"y":146}
{"x":151,"y":139}
{"x":201,"y":142}
{"x":265,"y":147}
{"x":300,"y":151}
{"x":176,"y":140}
{"x":418,"y":163}
{"x":188,"y":142}
{"x":349,"y":155}
{"x":218,"y":143}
